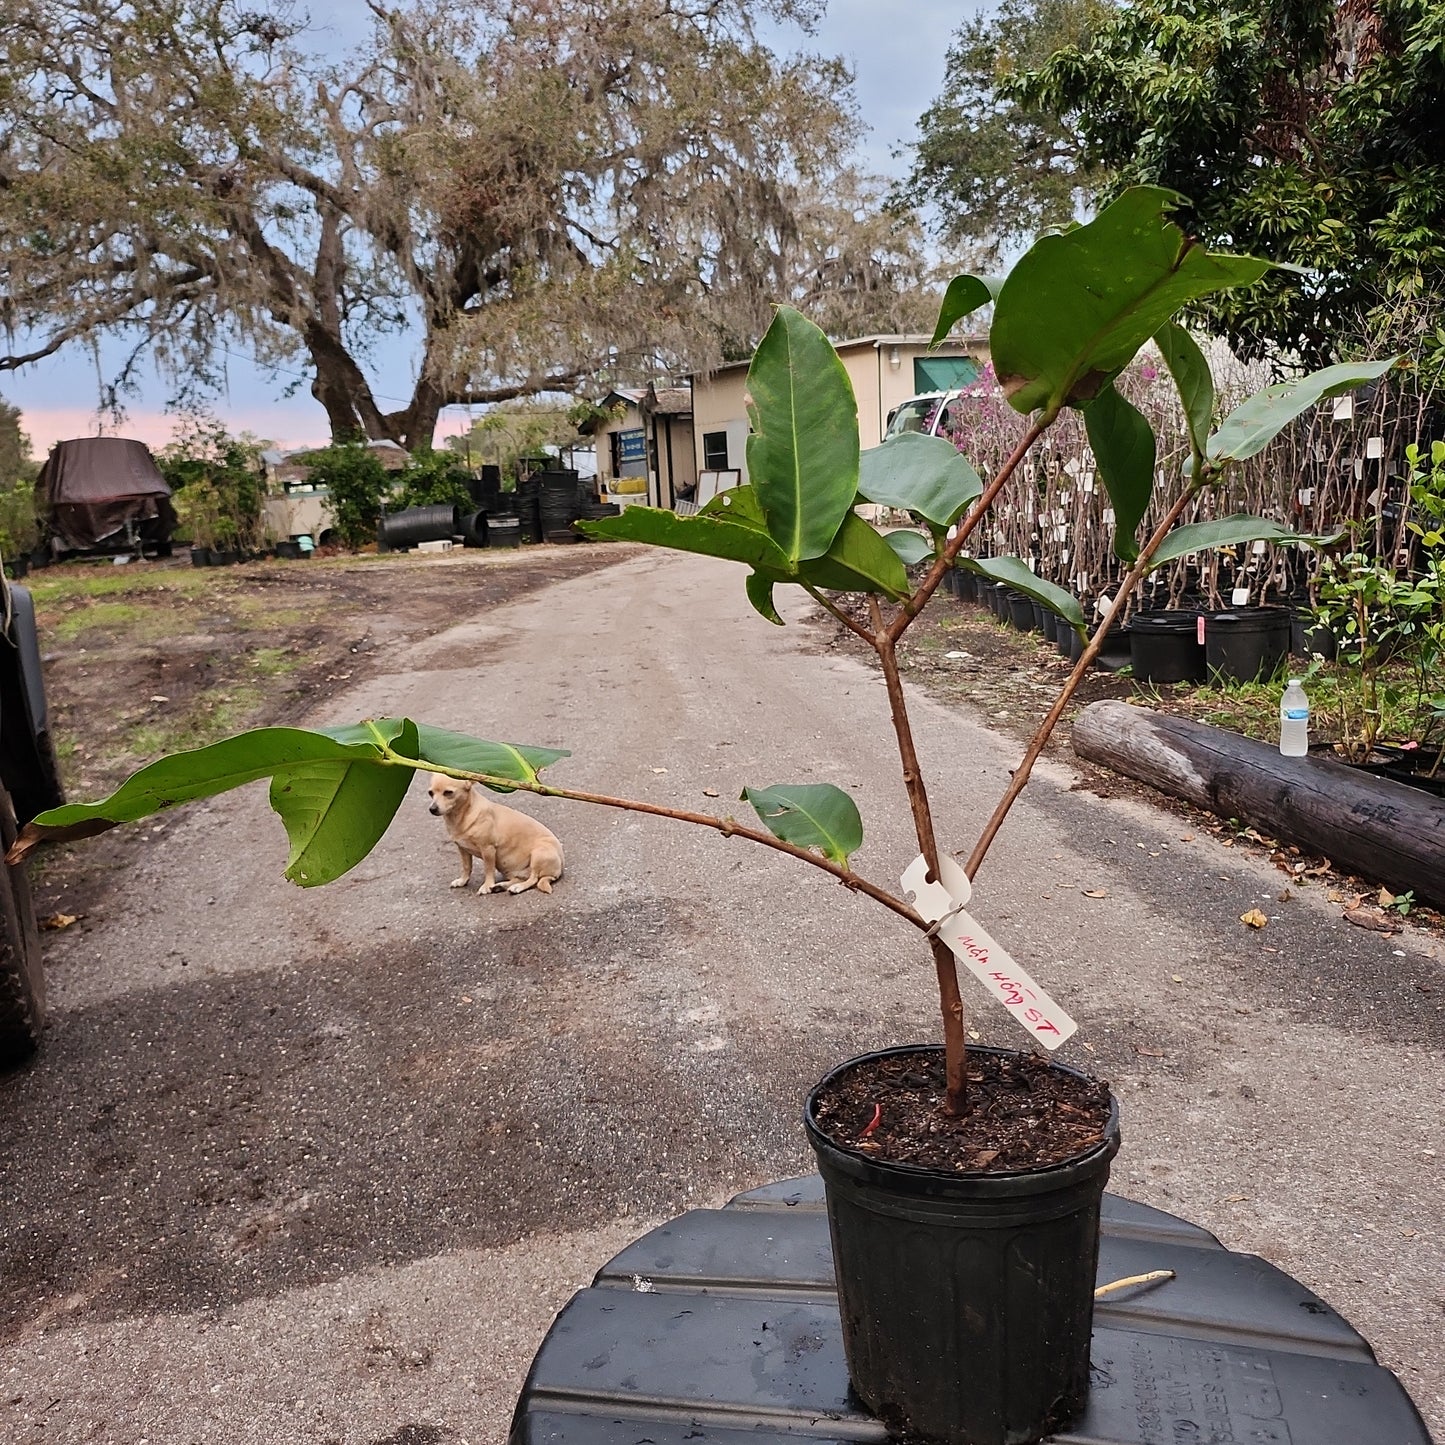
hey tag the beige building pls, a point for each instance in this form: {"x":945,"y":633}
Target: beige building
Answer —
{"x":885,"y":372}
{"x":645,"y":449}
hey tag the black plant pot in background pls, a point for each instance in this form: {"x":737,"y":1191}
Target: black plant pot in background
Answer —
{"x":200,"y":556}
{"x":1021,"y":612}
{"x":1165,"y":647}
{"x":1246,"y":643}
{"x":1051,"y":625}
{"x":967,"y":1300}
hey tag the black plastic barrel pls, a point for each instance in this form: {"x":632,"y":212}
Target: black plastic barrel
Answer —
{"x":1247,"y":643}
{"x":967,"y":1300}
{"x":504,"y":532}
{"x":1050,"y":625}
{"x":998,"y":600}
{"x":1164,"y":647}
{"x":1309,"y":637}
{"x":474,"y":529}
{"x":436,"y":523}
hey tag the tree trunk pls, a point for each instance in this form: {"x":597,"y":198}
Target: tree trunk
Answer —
{"x":1385,"y":831}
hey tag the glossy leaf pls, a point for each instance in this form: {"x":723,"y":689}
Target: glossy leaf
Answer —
{"x":1123,"y":445}
{"x":707,"y":536}
{"x":335,"y":812}
{"x":812,"y":815}
{"x":203,"y":772}
{"x":1192,"y":378}
{"x":1231,"y":531}
{"x":1078,"y":305}
{"x":803,"y":451}
{"x":921,"y":474}
{"x":912,"y":548}
{"x":467,"y":754}
{"x":1253,"y":424}
{"x":760,"y":594}
{"x":858,"y":561}
{"x":965,"y":295}
{"x":1017,"y":575}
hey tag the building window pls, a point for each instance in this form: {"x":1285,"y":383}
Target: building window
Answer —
{"x":715,"y":451}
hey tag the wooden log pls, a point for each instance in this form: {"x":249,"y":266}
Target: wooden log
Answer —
{"x":1388,"y":832}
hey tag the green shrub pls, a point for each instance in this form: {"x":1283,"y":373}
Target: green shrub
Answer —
{"x":434,"y":478}
{"x":359,"y":485}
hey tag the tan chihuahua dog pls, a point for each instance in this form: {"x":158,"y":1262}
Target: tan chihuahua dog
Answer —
{"x":505,"y":840}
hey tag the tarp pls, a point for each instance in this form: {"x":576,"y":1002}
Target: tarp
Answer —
{"x":943,"y":373}
{"x":91,"y":488}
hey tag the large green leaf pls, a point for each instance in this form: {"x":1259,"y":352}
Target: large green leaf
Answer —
{"x":1123,"y":445}
{"x":707,"y":535}
{"x":858,"y":561}
{"x":335,"y":812}
{"x":467,"y":754}
{"x":964,"y":296}
{"x":812,"y":815}
{"x":1253,"y":424}
{"x":803,"y":451}
{"x":912,"y":548}
{"x":916,"y":473}
{"x":203,"y":772}
{"x":1017,"y":575}
{"x":1079,"y":304}
{"x":1231,"y":531}
{"x":1192,"y":378}
{"x":760,"y":593}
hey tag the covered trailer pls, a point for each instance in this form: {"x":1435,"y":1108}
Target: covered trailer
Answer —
{"x":104,"y":494}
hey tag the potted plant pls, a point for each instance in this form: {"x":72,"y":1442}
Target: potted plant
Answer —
{"x":963,"y":1184}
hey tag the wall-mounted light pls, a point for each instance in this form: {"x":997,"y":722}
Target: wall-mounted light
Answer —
{"x":895,"y":357}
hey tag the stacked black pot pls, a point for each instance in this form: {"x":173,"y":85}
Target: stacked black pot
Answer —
{"x":559,"y":505}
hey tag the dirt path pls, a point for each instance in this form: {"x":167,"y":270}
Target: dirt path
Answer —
{"x":316,"y":1166}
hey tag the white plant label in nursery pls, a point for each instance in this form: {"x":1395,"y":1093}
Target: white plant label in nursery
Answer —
{"x":984,"y":957}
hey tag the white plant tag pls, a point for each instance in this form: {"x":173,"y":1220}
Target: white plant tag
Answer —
{"x":981,"y":954}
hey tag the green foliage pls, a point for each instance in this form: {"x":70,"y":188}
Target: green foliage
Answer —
{"x":1079,"y":304}
{"x":358,"y":484}
{"x":1232,"y":531}
{"x":812,"y":815}
{"x":803,"y":448}
{"x":1307,"y":131}
{"x":335,"y":789}
{"x":19,"y":524}
{"x":433,"y":478}
{"x":1018,"y":576}
{"x":16,"y":464}
{"x":924,"y":475}
{"x":996,"y":169}
{"x":1193,"y":381}
{"x":217,"y":484}
{"x":1123,"y":444}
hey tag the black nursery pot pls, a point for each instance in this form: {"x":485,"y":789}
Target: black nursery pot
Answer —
{"x":1165,"y":647}
{"x":1021,"y":612}
{"x":967,"y":1300}
{"x":1246,"y":643}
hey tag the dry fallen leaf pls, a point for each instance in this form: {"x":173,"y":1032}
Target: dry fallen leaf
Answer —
{"x":1372,"y":918}
{"x":1386,"y":898}
{"x":709,"y":792}
{"x":1254,"y":918}
{"x":59,"y":920}
{"x":1285,"y":895}
{"x":1187,"y":838}
{"x":160,"y":697}
{"x":1178,"y":978}
{"x":1096,"y":893}
{"x":1148,"y":1053}
{"x":659,"y":770}
{"x":1236,"y":1199}
{"x":1336,"y":896}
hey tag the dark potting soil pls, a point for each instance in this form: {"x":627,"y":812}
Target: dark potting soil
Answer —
{"x":1022,"y":1113}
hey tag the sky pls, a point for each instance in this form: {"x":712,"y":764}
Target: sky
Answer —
{"x":897,"y":51}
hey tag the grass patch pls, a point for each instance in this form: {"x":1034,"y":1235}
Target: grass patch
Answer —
{"x":210,"y":719}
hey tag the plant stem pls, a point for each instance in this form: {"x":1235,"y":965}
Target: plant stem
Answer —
{"x":916,"y":603}
{"x":1045,"y":730}
{"x":728,"y":827}
{"x":830,"y":606}
{"x":945,"y":966}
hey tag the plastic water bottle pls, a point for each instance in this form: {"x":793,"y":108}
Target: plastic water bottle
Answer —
{"x":1294,"y":721}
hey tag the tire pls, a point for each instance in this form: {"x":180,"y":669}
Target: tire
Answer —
{"x":22,"y":980}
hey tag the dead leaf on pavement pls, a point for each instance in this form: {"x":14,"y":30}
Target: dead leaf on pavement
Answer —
{"x":709,"y":792}
{"x":59,"y":920}
{"x":1096,"y":893}
{"x":1148,"y":1053}
{"x":1385,"y":898}
{"x":1285,"y":895}
{"x":1254,"y":918}
{"x":1236,"y":1199}
{"x":1372,"y":918}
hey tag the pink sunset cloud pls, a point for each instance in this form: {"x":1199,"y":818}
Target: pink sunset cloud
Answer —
{"x":284,"y":427}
